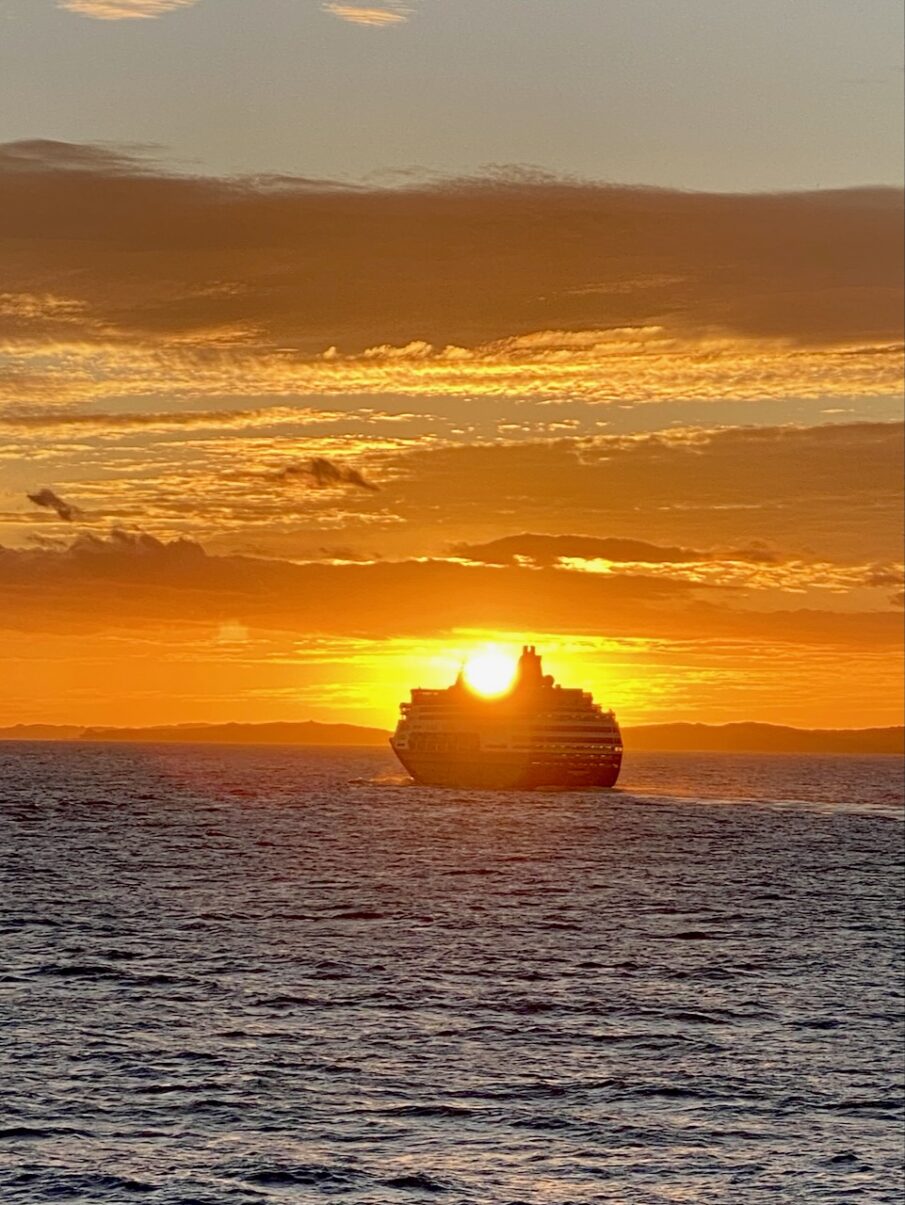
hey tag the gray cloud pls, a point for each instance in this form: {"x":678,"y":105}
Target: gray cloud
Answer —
{"x":461,"y":262}
{"x":548,"y":549}
{"x":884,"y":575}
{"x":324,"y":474}
{"x":52,"y":501}
{"x":119,"y":544}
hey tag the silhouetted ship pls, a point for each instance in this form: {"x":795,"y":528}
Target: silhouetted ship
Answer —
{"x":537,"y":734}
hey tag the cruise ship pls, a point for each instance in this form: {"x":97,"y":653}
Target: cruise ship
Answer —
{"x":536,"y":734}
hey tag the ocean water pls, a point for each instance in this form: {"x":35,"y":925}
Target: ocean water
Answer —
{"x":268,"y":975}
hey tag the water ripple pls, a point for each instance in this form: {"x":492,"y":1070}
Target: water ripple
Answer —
{"x":251,"y":975}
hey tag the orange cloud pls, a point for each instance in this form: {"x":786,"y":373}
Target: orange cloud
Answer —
{"x":129,"y":579}
{"x":223,"y":670}
{"x":369,"y":14}
{"x":121,"y":10}
{"x":750,"y":569}
{"x":32,"y":307}
{"x":762,"y":495}
{"x":508,"y":286}
{"x":380,"y":14}
{"x":174,"y":633}
{"x":532,"y":268}
{"x":755,"y":567}
{"x":604,"y":367}
{"x":553,"y":549}
{"x":113,"y":425}
{"x":791,"y":577}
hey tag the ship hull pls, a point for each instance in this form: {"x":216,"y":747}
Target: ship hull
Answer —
{"x":489,"y":772}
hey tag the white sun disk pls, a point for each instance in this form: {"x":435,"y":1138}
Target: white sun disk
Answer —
{"x":489,"y":673}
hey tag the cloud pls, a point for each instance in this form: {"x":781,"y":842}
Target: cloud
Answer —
{"x":120,"y":10}
{"x":754,"y":567}
{"x":324,"y":474}
{"x":380,"y":15}
{"x":131,"y":586}
{"x":124,"y":547}
{"x":31,"y":307}
{"x":156,"y":578}
{"x":504,"y":285}
{"x":803,"y":489}
{"x":100,"y":424}
{"x":51,"y":501}
{"x":160,"y":294}
{"x":789,"y":577}
{"x":137,"y":613}
{"x":550,"y":549}
{"x":41,"y":155}
{"x":620,"y":368}
{"x":759,"y":495}
{"x":345,"y":554}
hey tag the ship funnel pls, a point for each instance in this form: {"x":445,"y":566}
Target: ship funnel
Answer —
{"x":529,"y":666}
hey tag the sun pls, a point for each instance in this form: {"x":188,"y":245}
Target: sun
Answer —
{"x":489,"y":672}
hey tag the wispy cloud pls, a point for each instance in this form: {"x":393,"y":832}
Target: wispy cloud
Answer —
{"x":640,"y":500}
{"x":369,"y":14}
{"x":547,"y":550}
{"x":32,"y":307}
{"x":612,"y":367}
{"x":122,"y":10}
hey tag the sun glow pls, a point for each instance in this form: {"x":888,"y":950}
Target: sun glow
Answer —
{"x":489,"y":672}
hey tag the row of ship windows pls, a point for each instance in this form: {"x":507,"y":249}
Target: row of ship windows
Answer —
{"x":554,"y":732}
{"x":450,"y":710}
{"x":605,"y":742}
{"x":419,"y":743}
{"x":542,"y":720}
{"x":560,"y":752}
{"x":452,"y":742}
{"x":456,"y":720}
{"x":559,"y":706}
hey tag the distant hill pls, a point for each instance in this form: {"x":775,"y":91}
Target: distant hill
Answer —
{"x":307,"y":733}
{"x":762,"y":738}
{"x":652,"y":738}
{"x":41,"y":732}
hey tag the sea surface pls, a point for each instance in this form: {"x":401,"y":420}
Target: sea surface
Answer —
{"x":248,"y":975}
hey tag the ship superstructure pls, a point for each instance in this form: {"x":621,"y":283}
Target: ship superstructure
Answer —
{"x":537,"y":734}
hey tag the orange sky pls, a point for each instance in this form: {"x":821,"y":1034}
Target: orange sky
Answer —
{"x":281,"y":448}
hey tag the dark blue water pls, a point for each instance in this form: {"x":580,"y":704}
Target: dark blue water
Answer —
{"x":249,"y":975}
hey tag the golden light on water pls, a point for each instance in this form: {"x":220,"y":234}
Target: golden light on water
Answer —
{"x":490,"y":672}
